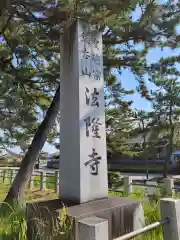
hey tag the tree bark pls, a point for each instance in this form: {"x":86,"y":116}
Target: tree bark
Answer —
{"x":170,"y":146}
{"x":169,"y":152}
{"x":22,"y":178}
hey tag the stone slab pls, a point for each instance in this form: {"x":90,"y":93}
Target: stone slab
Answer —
{"x":83,"y":163}
{"x":93,"y":228}
{"x":170,"y":208}
{"x":123,"y":214}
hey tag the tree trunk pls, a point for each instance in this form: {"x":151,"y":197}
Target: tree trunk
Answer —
{"x":28,"y":163}
{"x":170,"y":146}
{"x":168,"y":156}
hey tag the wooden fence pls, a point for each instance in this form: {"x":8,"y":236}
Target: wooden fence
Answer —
{"x":50,"y":180}
{"x":39,"y":179}
{"x":167,"y":185}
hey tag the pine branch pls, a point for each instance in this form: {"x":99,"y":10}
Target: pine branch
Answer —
{"x":6,"y":25}
{"x":17,"y":76}
{"x":10,"y":47}
{"x":126,"y":61}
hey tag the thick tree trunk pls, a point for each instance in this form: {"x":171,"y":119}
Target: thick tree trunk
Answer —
{"x":23,"y":176}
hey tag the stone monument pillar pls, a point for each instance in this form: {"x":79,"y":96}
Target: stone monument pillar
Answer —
{"x":83,"y":160}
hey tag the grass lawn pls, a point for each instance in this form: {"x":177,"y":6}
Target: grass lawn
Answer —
{"x":30,"y":195}
{"x":14,"y":224}
{"x":13,"y":220}
{"x":18,"y":223}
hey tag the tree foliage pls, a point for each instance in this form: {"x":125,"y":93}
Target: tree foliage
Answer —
{"x":29,"y":57}
{"x":29,"y":50}
{"x":166,"y":104}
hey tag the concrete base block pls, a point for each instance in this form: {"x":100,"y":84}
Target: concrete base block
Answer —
{"x":128,"y":189}
{"x":123,"y":214}
{"x":93,"y":228}
{"x":169,"y":186}
{"x":170,"y":208}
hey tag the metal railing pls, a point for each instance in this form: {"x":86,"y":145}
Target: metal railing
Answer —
{"x":143,"y":230}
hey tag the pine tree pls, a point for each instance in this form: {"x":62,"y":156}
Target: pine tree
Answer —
{"x":30,"y":37}
{"x":166,"y":105}
{"x":118,"y":128}
{"x":17,"y":188}
{"x":30,"y":40}
{"x":142,"y":119}
{"x":118,"y":110}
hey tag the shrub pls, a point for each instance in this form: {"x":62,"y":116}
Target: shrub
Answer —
{"x":13,"y":221}
{"x":14,"y":225}
{"x":113,"y":177}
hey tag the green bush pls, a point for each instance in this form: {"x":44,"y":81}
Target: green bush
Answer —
{"x":113,"y":178}
{"x":14,"y":225}
{"x":13,"y":222}
{"x":152,"y":214}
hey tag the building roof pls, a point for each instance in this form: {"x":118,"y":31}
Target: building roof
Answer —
{"x":139,"y":138}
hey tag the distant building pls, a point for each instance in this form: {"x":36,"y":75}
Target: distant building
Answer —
{"x":160,"y":144}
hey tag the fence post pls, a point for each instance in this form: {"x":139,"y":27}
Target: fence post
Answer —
{"x":3,"y":176}
{"x":171,"y":208}
{"x":11,"y":176}
{"x":93,"y":228}
{"x":31,"y":182}
{"x":57,"y":182}
{"x":169,"y":186}
{"x":128,"y":185}
{"x":42,"y":180}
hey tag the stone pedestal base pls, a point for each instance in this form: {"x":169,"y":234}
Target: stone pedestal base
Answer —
{"x":123,"y":214}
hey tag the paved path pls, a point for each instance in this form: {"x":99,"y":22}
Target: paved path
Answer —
{"x":142,"y":176}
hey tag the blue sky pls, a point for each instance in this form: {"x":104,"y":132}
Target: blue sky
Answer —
{"x":129,"y":82}
{"x":127,"y":78}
